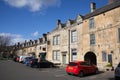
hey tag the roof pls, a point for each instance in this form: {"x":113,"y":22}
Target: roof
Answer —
{"x":98,"y":11}
{"x":103,"y":9}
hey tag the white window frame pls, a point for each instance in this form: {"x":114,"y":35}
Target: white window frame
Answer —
{"x":92,"y":39}
{"x":56,"y":40}
{"x":74,"y":36}
{"x":91,"y":23}
{"x":56,"y":55}
{"x":74,"y":54}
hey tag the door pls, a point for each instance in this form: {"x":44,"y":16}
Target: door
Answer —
{"x":109,"y":58}
{"x":64,"y":59}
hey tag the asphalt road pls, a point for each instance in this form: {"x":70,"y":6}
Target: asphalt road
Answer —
{"x":10,"y":70}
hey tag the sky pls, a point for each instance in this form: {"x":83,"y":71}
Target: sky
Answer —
{"x":29,"y":19}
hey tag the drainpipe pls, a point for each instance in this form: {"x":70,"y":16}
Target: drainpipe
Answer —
{"x":68,"y":45}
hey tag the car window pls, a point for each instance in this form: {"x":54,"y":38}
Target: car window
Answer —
{"x":72,"y":64}
{"x":84,"y":63}
{"x":119,"y":65}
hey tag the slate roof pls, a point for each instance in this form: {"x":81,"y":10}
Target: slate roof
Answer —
{"x":98,"y":11}
{"x":103,"y":9}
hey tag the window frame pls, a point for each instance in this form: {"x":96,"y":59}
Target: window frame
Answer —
{"x":118,"y":34}
{"x":56,"y":40}
{"x":73,"y":36}
{"x":104,"y":56}
{"x":91,"y":23}
{"x":92,"y":39}
{"x":74,"y":54}
{"x":56,"y":55}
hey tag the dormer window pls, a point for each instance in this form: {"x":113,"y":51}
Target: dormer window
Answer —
{"x":68,"y":23}
{"x":79,"y":19}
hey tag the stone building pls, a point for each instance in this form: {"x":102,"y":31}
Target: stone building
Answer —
{"x":94,"y":37}
{"x":30,"y":48}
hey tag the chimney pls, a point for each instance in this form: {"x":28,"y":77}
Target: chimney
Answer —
{"x":58,"y":21}
{"x":93,"y":6}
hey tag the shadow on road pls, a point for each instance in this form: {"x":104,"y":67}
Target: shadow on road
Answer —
{"x":111,"y":79}
{"x":100,"y":72}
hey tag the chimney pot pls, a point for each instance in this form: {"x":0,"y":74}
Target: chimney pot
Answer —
{"x":58,"y":21}
{"x":93,"y":6}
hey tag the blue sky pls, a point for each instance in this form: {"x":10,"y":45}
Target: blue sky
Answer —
{"x":29,"y":19}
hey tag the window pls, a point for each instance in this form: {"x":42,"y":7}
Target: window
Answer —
{"x":74,"y":54}
{"x":68,"y":23}
{"x":73,"y":36}
{"x":109,"y":58}
{"x":44,"y":49}
{"x":56,"y":40}
{"x":92,"y":39}
{"x":91,"y":23}
{"x":104,"y":55}
{"x":56,"y":55}
{"x":79,"y":19}
{"x":48,"y":42}
{"x":118,"y":34}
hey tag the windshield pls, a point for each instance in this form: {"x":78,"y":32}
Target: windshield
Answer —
{"x":72,"y":64}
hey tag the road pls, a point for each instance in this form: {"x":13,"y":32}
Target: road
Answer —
{"x":10,"y":70}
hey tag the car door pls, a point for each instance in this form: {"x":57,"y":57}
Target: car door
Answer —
{"x":85,"y":67}
{"x":91,"y":68}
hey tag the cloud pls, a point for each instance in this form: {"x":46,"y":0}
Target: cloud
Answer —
{"x":15,"y":38}
{"x":33,"y":5}
{"x":35,"y":34}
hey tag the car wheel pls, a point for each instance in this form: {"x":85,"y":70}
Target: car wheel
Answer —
{"x":68,"y":73}
{"x":81,"y":74}
{"x":96,"y":71}
{"x":51,"y":65}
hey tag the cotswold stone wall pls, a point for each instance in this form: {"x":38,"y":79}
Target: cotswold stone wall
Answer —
{"x":106,"y":38}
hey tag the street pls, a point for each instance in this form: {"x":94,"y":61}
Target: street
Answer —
{"x":10,"y":70}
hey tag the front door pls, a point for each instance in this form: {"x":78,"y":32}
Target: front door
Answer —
{"x":64,"y":58}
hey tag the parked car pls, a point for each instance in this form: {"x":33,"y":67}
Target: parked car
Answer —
{"x":80,"y":68}
{"x":117,"y":72}
{"x":21,"y":59}
{"x":33,"y":62}
{"x":45,"y":64}
{"x":15,"y":58}
{"x":27,"y":60}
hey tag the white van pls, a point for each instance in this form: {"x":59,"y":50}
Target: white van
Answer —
{"x":22,"y":58}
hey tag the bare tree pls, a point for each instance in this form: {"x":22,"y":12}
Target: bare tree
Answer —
{"x":4,"y":43}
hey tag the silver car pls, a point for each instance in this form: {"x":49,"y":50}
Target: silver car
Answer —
{"x":117,"y":72}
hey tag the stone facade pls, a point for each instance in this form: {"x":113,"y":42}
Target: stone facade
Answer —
{"x":105,"y":49}
{"x":35,"y":47}
{"x":94,"y":37}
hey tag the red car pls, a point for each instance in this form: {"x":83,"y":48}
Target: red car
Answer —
{"x":81,"y":68}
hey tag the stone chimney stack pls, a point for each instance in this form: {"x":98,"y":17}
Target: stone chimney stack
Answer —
{"x":58,"y":21}
{"x":93,"y":6}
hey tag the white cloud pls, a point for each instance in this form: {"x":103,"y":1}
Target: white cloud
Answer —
{"x":33,"y":5}
{"x":15,"y":38}
{"x":35,"y":34}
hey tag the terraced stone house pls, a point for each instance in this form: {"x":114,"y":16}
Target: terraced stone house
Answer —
{"x":94,"y":37}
